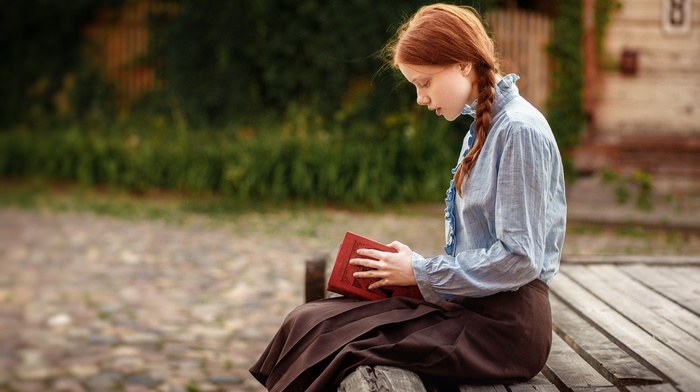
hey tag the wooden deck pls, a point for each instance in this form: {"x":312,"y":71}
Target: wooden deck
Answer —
{"x":627,"y":326}
{"x":621,"y":324}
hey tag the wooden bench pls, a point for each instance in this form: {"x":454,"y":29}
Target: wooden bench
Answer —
{"x":619,"y":324}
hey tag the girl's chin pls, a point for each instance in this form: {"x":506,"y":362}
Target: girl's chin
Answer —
{"x":440,"y":112}
{"x":452,"y":118}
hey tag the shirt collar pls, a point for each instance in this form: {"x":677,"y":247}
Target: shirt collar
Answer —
{"x":506,"y":90}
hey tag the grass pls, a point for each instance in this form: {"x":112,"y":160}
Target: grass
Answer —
{"x":168,"y":206}
{"x":306,"y":221}
{"x":171,"y":207}
{"x":39,"y":195}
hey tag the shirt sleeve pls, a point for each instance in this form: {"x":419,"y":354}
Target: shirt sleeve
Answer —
{"x":516,"y":255}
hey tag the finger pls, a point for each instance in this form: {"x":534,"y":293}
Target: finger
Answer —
{"x":369,"y":263}
{"x":378,"y":284}
{"x":368,"y":274}
{"x":399,"y":246}
{"x":375,"y":254}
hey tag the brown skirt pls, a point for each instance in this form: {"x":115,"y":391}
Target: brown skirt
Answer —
{"x":502,"y":338}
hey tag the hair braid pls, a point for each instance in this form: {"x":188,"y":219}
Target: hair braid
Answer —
{"x":487,"y":93}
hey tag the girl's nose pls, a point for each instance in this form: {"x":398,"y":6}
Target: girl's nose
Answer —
{"x":423,"y":99}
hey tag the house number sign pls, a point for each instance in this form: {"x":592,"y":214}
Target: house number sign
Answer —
{"x":676,"y":16}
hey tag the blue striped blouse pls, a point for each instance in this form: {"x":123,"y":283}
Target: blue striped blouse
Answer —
{"x":509,"y":227}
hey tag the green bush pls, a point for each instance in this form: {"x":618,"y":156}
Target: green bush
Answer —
{"x":405,"y":159}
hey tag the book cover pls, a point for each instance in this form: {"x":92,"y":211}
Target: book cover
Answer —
{"x":342,"y":282}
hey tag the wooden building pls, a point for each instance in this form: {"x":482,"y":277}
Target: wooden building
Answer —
{"x":643,"y":98}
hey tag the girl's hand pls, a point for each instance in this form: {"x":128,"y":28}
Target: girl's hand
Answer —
{"x":393,"y":269}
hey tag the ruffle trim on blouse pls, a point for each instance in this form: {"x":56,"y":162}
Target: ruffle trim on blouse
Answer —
{"x":450,"y":221}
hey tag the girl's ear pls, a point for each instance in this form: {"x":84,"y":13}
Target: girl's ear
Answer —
{"x":466,"y":69}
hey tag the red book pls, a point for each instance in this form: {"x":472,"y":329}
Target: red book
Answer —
{"x":342,"y":282}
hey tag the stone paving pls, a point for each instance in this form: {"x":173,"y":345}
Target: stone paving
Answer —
{"x":93,"y":303}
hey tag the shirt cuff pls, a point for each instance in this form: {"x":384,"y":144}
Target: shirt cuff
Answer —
{"x":420,"y":271}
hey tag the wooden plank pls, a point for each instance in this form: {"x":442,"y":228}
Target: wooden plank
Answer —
{"x":539,"y":379}
{"x":533,"y":388}
{"x":628,"y":335}
{"x":631,"y":301}
{"x":646,"y":10}
{"x":381,"y":378}
{"x":686,"y":296}
{"x":645,"y":37}
{"x":539,"y":383}
{"x":692,"y":274}
{"x":653,"y":388}
{"x":365,"y":379}
{"x":482,"y":388}
{"x":567,"y":370}
{"x":687,"y":278}
{"x":658,"y":58}
{"x":688,"y":261}
{"x":595,"y":348}
{"x":622,"y":108}
{"x":621,"y":87}
{"x":521,"y":39}
{"x":652,"y":300}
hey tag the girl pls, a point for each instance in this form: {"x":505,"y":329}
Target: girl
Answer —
{"x":486,"y":314}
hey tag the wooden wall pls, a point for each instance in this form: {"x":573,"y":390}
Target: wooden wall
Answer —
{"x":662,"y":97}
{"x":521,"y":39}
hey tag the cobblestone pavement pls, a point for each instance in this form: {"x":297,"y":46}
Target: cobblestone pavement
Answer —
{"x":93,"y":303}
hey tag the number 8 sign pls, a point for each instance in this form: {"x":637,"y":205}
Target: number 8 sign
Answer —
{"x":676,"y":16}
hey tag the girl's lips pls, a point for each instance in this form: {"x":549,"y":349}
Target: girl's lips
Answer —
{"x":438,"y":111}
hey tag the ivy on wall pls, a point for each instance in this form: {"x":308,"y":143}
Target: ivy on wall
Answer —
{"x":565,"y":109}
{"x":603,"y":14}
{"x":565,"y":105}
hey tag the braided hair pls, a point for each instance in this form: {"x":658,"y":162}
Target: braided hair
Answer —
{"x":487,"y":93}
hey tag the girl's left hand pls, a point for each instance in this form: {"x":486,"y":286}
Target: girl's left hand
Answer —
{"x":393,"y":269}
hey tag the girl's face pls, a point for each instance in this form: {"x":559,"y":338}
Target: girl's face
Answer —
{"x":444,"y":89}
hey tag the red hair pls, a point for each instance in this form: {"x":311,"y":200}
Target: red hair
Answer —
{"x":443,"y":34}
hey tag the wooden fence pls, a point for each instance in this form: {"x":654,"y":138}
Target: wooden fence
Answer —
{"x":118,"y":43}
{"x":521,"y":39}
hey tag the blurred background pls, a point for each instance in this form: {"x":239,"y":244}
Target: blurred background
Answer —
{"x":166,"y":167}
{"x":288,"y":100}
